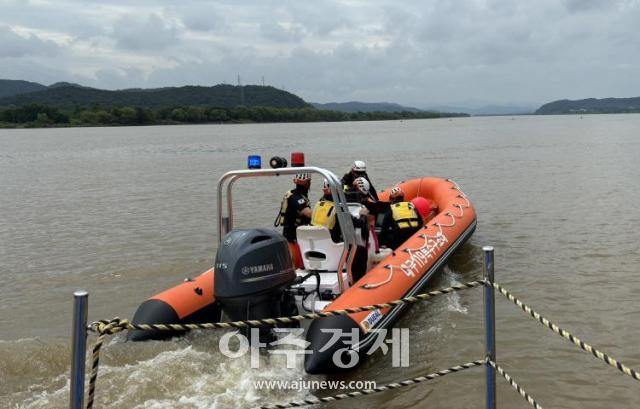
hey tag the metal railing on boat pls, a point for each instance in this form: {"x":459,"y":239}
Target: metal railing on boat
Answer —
{"x":109,"y":327}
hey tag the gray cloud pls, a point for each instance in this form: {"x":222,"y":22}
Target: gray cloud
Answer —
{"x":280,"y":33}
{"x":322,"y":18}
{"x":205,"y":18}
{"x":54,"y":16}
{"x":414,"y":52}
{"x":150,"y":33}
{"x":199,"y":22}
{"x":13,"y":45}
{"x":588,"y":5}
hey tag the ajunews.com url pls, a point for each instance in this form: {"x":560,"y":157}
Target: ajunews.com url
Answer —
{"x":307,"y":384}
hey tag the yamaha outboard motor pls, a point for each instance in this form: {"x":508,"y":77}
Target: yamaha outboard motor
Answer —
{"x":252,"y":271}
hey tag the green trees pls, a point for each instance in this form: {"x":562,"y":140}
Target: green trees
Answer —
{"x":38,"y":115}
{"x":178,"y":115}
{"x":35,"y":115}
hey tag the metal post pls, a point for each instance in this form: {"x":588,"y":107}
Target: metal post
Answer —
{"x":224,"y":227}
{"x":489,"y":326}
{"x":78,"y":348}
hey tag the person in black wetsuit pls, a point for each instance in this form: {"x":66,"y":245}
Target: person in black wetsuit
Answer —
{"x":359,"y":266}
{"x":358,"y":169}
{"x":399,"y":221}
{"x":294,"y":209}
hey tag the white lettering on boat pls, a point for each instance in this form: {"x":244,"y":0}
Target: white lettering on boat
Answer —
{"x":421,"y":257}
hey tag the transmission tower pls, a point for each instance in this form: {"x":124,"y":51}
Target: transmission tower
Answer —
{"x":241,"y":91}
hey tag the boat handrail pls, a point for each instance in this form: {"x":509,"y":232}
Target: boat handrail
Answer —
{"x":225,"y":220}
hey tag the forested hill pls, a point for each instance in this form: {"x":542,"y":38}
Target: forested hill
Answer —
{"x":591,"y":106}
{"x":71,"y":96}
{"x":9,"y":88}
{"x":67,"y":104}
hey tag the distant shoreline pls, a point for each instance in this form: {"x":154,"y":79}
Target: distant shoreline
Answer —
{"x":60,"y":126}
{"x":43,"y":116}
{"x":4,"y":125}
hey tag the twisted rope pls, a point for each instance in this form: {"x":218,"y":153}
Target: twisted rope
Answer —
{"x":110,"y":327}
{"x":106,"y":329}
{"x":365,"y":392}
{"x":513,"y":383}
{"x":565,"y":334}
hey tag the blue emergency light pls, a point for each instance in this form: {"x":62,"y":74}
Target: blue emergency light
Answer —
{"x":254,"y":162}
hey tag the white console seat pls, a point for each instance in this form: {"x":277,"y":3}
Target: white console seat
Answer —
{"x":318,"y":251}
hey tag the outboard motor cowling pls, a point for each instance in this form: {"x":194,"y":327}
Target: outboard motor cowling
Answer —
{"x":253,"y":268}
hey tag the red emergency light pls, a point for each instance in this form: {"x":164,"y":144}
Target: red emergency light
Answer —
{"x":297,"y":159}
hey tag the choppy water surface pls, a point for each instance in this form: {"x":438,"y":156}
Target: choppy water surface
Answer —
{"x":127,"y":212}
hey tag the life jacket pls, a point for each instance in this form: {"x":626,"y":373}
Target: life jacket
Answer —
{"x":324,"y":214}
{"x":284,"y":207}
{"x":405,"y":215}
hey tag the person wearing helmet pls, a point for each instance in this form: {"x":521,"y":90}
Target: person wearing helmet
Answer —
{"x":324,"y":214}
{"x":374,"y":207}
{"x":371,"y":206}
{"x":396,"y":195}
{"x":358,"y":169}
{"x":400,"y":221}
{"x":294,"y":209}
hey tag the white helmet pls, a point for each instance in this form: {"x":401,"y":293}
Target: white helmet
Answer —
{"x":325,"y":186}
{"x":362,"y":185}
{"x":359,"y":166}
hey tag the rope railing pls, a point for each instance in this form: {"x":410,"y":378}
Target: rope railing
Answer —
{"x":366,"y":392}
{"x":567,"y":335}
{"x":116,"y":325}
{"x":513,"y":383}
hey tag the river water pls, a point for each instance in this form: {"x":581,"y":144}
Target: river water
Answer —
{"x":127,"y":212}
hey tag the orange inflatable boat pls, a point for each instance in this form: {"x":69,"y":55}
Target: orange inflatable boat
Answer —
{"x":403,"y":273}
{"x":254,"y":276}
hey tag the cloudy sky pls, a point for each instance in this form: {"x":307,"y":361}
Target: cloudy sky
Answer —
{"x":420,"y":53}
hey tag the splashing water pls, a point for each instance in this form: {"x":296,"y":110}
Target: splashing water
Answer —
{"x":453,"y":299}
{"x":181,"y":373}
